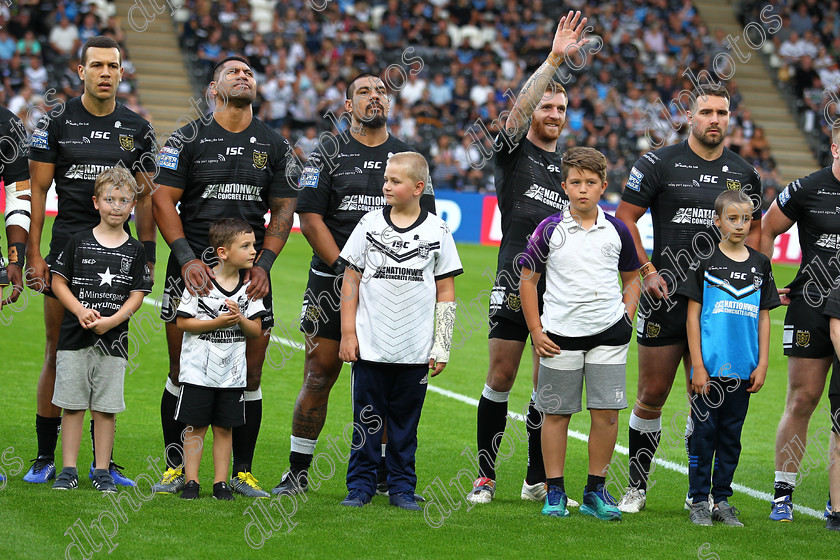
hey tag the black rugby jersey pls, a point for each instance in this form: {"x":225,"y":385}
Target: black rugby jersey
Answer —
{"x":680,"y":189}
{"x":14,"y":150}
{"x":813,"y":202}
{"x":81,"y":146}
{"x":226,"y":175}
{"x":528,"y":189}
{"x":101,"y":278}
{"x":342,"y":181}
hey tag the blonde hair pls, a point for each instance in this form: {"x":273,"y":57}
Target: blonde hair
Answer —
{"x":118,"y":177}
{"x":415,"y":164}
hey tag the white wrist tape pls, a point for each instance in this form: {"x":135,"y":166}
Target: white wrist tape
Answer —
{"x":444,"y":327}
{"x":17,"y":209}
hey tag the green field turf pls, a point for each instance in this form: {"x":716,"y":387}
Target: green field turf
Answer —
{"x":40,"y":523}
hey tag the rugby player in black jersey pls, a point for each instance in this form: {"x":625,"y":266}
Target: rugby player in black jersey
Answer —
{"x":528,"y":185}
{"x":227,"y":164}
{"x":94,"y":132}
{"x":340,"y":183}
{"x":679,"y":183}
{"x":813,"y":203}
{"x":14,"y":175}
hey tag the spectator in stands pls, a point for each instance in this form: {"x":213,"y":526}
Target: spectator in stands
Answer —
{"x":412,"y":90}
{"x":89,"y":27}
{"x":13,"y":76}
{"x":276,"y":92}
{"x":440,"y":93}
{"x":28,"y":45}
{"x":36,"y":75}
{"x":64,"y":40}
{"x":8,"y":47}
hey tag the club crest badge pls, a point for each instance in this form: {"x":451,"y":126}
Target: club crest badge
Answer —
{"x":260,"y":159}
{"x":126,"y":142}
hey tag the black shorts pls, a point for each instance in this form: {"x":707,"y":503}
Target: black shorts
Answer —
{"x":205,"y":406}
{"x":174,"y":288}
{"x":618,"y":334}
{"x":321,"y":311}
{"x":806,"y":333}
{"x":661,"y":322}
{"x":508,"y":329}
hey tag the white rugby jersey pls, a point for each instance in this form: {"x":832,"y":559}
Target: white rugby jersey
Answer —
{"x":217,"y":358}
{"x":395,"y":320}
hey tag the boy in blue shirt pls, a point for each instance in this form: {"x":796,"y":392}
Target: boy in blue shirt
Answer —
{"x":730,"y":294}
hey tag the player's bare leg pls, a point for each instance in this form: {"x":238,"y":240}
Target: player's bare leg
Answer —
{"x":321,"y":368}
{"x":833,"y":521}
{"x":245,"y":436}
{"x":657,"y":370}
{"x":806,"y":381}
{"x":48,"y":416}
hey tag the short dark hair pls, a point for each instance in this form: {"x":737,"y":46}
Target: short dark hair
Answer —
{"x":100,"y":42}
{"x":582,"y":157}
{"x":224,"y":231}
{"x":706,"y":90}
{"x":218,"y":68}
{"x":348,"y":92}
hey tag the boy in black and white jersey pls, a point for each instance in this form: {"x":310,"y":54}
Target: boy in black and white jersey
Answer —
{"x":397,"y":317}
{"x":100,"y":278}
{"x":213,"y":371}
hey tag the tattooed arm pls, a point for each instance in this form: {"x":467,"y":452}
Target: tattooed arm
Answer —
{"x":279,"y":226}
{"x":567,"y":41}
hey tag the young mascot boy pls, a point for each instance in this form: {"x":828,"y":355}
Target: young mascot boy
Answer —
{"x":728,"y":325}
{"x":397,"y":318}
{"x":100,"y":279}
{"x":213,"y":365}
{"x":585,"y":328}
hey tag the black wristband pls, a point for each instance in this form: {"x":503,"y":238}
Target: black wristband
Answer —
{"x":182,"y":251}
{"x":339,"y":265}
{"x":151,"y":251}
{"x":265,"y":259}
{"x":17,"y":254}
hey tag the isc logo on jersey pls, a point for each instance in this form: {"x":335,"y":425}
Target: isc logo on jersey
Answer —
{"x":635,"y":180}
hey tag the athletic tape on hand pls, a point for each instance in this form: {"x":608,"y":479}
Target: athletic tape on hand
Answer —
{"x":444,"y":327}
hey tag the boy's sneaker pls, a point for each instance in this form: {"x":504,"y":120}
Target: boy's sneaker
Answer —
{"x":832,"y":521}
{"x":191,"y":490}
{"x":782,"y":509}
{"x":103,"y":481}
{"x":633,"y":500}
{"x":689,"y":501}
{"x":699,"y":514}
{"x":292,"y":484}
{"x":41,"y":471}
{"x":114,"y":470}
{"x":537,"y":493}
{"x":356,"y":498}
{"x":172,"y":482}
{"x":404,"y":500}
{"x":244,"y":483}
{"x":67,"y":479}
{"x":483,"y":491}
{"x":555,"y":503}
{"x":221,"y":491}
{"x":601,"y":505}
{"x":726,"y":514}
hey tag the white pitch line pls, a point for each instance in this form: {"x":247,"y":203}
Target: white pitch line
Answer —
{"x":670,"y":465}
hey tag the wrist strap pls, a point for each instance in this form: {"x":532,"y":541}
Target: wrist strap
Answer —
{"x":265,"y":259}
{"x":182,"y":251}
{"x":17,"y":254}
{"x":151,"y":251}
{"x":646,"y":269}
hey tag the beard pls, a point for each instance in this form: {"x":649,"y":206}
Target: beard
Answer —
{"x":709,"y":141}
{"x":545,"y":133}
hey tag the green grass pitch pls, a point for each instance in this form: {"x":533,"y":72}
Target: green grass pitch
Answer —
{"x":40,"y":523}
